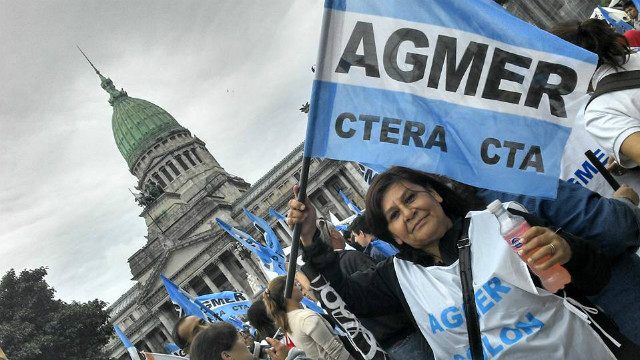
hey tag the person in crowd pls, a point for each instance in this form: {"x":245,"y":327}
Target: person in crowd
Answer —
{"x":220,"y":341}
{"x":629,"y":7}
{"x":425,"y":219}
{"x":376,"y":249}
{"x":261,"y":321}
{"x":633,"y":38}
{"x":613,"y":118}
{"x":394,"y":332}
{"x":186,"y":328}
{"x":308,"y":330}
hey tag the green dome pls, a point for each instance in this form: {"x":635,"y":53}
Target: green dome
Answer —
{"x":137,"y":124}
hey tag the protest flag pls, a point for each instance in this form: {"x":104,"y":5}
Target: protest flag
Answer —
{"x":272,"y":263}
{"x":282,"y":220}
{"x":188,"y":304}
{"x":131,"y":349}
{"x":619,"y":25}
{"x":488,"y":102}
{"x":228,"y":305}
{"x":270,"y":237}
{"x":350,"y":205}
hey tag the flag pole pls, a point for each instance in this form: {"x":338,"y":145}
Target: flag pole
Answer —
{"x":297,"y":228}
{"x":308,"y":145}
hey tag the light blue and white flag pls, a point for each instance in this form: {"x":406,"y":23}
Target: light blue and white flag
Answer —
{"x":131,"y":349}
{"x":369,"y":171}
{"x":350,"y":205}
{"x":230,"y":306}
{"x":183,"y":301}
{"x":270,"y":237}
{"x":619,"y":25}
{"x":460,"y":88}
{"x":282,"y":220}
{"x":272,"y":263}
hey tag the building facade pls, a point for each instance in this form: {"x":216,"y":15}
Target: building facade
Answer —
{"x":182,"y":190}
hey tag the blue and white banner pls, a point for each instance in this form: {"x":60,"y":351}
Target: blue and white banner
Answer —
{"x":273,"y":264}
{"x":131,"y":349}
{"x":460,"y":88}
{"x":369,"y":172}
{"x":183,"y":301}
{"x":230,"y":306}
{"x":354,"y":209}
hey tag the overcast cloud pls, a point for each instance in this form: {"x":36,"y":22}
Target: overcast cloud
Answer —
{"x":233,"y":72}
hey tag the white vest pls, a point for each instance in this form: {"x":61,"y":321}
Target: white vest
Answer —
{"x":517,"y":319}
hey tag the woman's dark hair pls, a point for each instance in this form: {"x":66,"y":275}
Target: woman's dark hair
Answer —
{"x":260,"y":319}
{"x":453,"y":203}
{"x":211,"y":342}
{"x":275,"y":302}
{"x":598,"y":37}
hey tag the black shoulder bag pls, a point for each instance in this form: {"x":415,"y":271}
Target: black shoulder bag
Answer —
{"x":623,"y":80}
{"x":466,"y":277}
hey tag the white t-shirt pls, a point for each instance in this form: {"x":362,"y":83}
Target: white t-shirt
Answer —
{"x":613,"y":117}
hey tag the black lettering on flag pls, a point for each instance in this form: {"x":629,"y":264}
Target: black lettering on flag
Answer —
{"x":410,"y":134}
{"x":340,"y":125}
{"x":362,"y":33}
{"x":473,"y":59}
{"x":513,"y":148}
{"x":540,"y":85}
{"x":533,"y":159}
{"x":390,"y":55}
{"x":437,"y":139}
{"x":368,"y":124}
{"x":498,"y":72}
{"x":484,"y":151}
{"x":387,"y":129}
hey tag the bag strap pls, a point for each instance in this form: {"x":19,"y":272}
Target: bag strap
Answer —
{"x":619,"y":81}
{"x":468,"y":297}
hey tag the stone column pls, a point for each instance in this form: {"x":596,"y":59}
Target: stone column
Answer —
{"x":245,"y":264}
{"x":167,"y":325}
{"x":207,"y":280}
{"x":150,"y":344}
{"x":187,"y":287}
{"x":340,"y":205}
{"x":234,"y":282}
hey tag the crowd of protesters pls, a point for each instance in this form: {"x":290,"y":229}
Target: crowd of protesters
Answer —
{"x":401,"y":276}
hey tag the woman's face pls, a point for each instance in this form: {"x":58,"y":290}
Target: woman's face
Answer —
{"x":414,"y":215}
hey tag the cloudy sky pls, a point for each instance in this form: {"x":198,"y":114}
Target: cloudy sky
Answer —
{"x":233,"y":72}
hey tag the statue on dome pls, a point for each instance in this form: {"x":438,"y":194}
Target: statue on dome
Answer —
{"x":148,"y":194}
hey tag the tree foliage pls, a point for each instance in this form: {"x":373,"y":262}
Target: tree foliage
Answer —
{"x":35,"y":326}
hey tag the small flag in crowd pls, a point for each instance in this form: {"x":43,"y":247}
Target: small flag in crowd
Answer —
{"x":273,"y":264}
{"x":131,"y":349}
{"x":350,"y":205}
{"x":282,"y":220}
{"x":619,"y":25}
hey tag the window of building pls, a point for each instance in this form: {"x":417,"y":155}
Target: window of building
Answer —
{"x":181,"y":162}
{"x":273,"y":197}
{"x":186,"y":154}
{"x":159,"y":180}
{"x":196,"y":155}
{"x":297,"y":175}
{"x":255,"y":209}
{"x":173,"y":168}
{"x":321,"y":200}
{"x":166,"y":174}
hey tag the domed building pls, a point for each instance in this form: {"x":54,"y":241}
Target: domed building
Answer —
{"x":182,"y":189}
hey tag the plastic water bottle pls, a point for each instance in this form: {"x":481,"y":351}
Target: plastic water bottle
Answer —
{"x":512,"y":227}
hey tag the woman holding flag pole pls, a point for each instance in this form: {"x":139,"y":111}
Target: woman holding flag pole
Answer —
{"x":517,"y":318}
